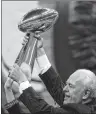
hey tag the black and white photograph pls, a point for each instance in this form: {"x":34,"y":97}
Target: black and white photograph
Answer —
{"x":48,"y":57}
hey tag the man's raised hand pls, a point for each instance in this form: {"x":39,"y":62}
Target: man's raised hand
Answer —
{"x":11,"y":89}
{"x":17,"y":75}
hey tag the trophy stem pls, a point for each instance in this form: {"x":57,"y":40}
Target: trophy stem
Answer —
{"x":31,"y":51}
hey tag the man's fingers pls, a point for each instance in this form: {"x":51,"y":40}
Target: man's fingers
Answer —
{"x":13,"y":77}
{"x":9,"y":83}
{"x":15,"y":66}
{"x":24,"y":43}
{"x":37,"y":36}
{"x":10,"y":80}
{"x":40,"y":43}
{"x":25,"y":67}
{"x":25,"y":40}
{"x":26,"y":37}
{"x":10,"y":71}
{"x":13,"y":74}
{"x":13,"y":71}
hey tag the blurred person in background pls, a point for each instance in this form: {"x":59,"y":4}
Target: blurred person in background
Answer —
{"x":77,"y":96}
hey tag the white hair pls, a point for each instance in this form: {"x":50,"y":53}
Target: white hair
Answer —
{"x":90,"y":81}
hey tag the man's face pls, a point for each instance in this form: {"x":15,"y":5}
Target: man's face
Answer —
{"x":74,"y":88}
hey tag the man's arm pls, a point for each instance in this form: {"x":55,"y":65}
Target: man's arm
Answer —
{"x":36,"y":105}
{"x":50,"y":78}
{"x":34,"y":102}
{"x":13,"y":107}
{"x":54,"y":85}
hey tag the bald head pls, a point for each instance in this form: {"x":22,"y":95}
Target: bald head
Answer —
{"x":81,"y":80}
{"x":86,"y":76}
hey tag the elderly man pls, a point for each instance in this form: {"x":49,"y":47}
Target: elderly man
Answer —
{"x":77,"y":96}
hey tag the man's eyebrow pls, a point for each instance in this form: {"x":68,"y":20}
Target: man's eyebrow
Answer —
{"x":70,"y":83}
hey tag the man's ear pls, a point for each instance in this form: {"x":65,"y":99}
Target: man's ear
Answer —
{"x":86,"y":95}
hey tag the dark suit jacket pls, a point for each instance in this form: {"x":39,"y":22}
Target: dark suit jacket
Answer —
{"x":14,"y":109}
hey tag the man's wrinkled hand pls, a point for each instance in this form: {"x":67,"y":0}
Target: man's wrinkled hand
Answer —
{"x":40,"y":49}
{"x":26,"y":70}
{"x":8,"y":83}
{"x":17,"y":75}
{"x":25,"y":40}
{"x":11,"y":87}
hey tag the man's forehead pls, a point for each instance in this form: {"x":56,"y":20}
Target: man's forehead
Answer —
{"x":79,"y":75}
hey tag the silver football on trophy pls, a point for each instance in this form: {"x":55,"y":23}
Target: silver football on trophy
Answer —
{"x":39,"y":19}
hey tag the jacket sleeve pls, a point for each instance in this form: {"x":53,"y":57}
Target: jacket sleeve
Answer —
{"x":37,"y":105}
{"x":15,"y":109}
{"x":54,"y":85}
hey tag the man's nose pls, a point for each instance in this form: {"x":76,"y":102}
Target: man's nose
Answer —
{"x":65,"y":89}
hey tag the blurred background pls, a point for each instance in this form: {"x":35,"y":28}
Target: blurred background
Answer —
{"x":69,"y":44}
